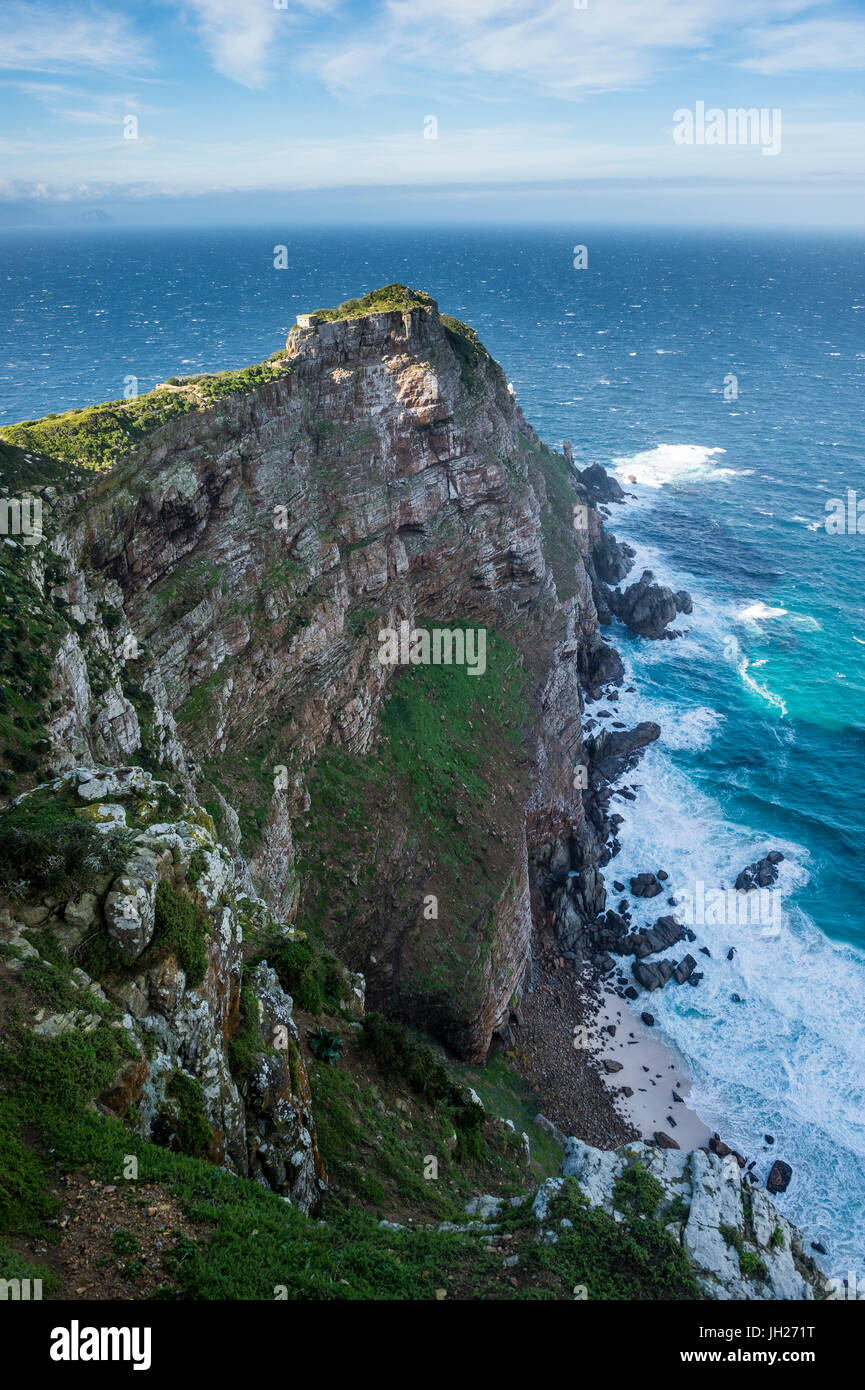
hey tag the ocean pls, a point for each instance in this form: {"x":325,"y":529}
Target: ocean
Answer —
{"x":720,"y":372}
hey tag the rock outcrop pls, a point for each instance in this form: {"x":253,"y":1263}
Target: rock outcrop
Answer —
{"x":647,"y":607}
{"x":163,"y":927}
{"x":739,"y":1246}
{"x":221,"y":590}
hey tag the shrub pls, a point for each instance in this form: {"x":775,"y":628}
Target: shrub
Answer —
{"x":326,"y":1046}
{"x":63,"y":858}
{"x":192,"y":1133}
{"x":182,"y":926}
{"x":306,"y":971}
{"x":244,"y":1044}
{"x":637,"y":1191}
{"x":398,"y":1051}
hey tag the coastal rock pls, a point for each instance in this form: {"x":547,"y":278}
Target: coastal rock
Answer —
{"x":653,"y":975}
{"x":779,"y":1177}
{"x":646,"y":607}
{"x":709,"y":1190}
{"x":600,"y":485}
{"x":684,"y":969}
{"x":645,"y":886}
{"x":761,"y":874}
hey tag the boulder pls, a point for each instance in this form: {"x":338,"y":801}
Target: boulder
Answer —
{"x":599,"y":485}
{"x":646,"y":607}
{"x":779,"y":1177}
{"x":664,"y":1141}
{"x":761,"y":874}
{"x":683,"y":970}
{"x":652,"y":975}
{"x":645,"y":886}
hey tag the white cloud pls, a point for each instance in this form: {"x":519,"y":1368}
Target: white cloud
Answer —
{"x":240,"y":35}
{"x":549,"y":46}
{"x":811,"y":45}
{"x":43,"y":38}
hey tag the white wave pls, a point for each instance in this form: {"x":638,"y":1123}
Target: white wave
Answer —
{"x":689,"y":728}
{"x":756,"y":612}
{"x":788,"y":1058}
{"x":771,"y":699}
{"x":670,"y":463}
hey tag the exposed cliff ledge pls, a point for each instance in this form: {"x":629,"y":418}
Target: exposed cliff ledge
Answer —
{"x":219,"y":590}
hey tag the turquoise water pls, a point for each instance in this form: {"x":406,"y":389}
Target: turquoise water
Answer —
{"x":761,"y":702}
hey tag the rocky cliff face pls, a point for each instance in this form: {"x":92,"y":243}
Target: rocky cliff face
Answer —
{"x":210,"y":766}
{"x":221,"y":589}
{"x":156,"y":937}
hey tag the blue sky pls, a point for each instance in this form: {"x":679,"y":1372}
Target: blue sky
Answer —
{"x":543,"y":109}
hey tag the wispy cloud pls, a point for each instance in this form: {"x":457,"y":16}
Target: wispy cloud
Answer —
{"x":549,"y":47}
{"x":811,"y":45}
{"x":240,"y":38}
{"x":47,"y":38}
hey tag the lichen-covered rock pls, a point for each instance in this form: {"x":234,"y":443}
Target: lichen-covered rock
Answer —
{"x":740,"y":1247}
{"x":130,"y":906}
{"x":178,"y":1009}
{"x":280,"y":1130}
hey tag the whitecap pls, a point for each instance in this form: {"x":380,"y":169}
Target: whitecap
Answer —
{"x":757,"y":612}
{"x":670,"y":463}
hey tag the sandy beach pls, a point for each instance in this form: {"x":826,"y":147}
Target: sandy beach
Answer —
{"x":651,"y":1069}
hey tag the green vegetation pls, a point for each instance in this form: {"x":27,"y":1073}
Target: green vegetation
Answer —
{"x":637,"y":1191}
{"x":244,"y":1042}
{"x":470,"y":352}
{"x":679,"y":1210}
{"x":45,"y":850}
{"x":749,"y":1261}
{"x":96,"y":436}
{"x":557,"y":526}
{"x":192,"y":1134}
{"x":451,"y":743}
{"x":398,"y":1051}
{"x":45,"y":1086}
{"x":631,"y":1259}
{"x":777,"y":1241}
{"x":182,"y":926}
{"x":326,"y":1046}
{"x":394,"y":298}
{"x":307,"y":971}
{"x":30,"y":632}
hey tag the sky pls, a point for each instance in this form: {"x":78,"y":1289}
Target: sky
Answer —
{"x":432,"y":110}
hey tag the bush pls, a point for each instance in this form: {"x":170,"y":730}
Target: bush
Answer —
{"x":63,"y":858}
{"x":637,"y":1191}
{"x":244,"y":1043}
{"x":182,"y":927}
{"x":398,"y":1051}
{"x":306,"y":971}
{"x":192,"y":1133}
{"x":326,"y":1046}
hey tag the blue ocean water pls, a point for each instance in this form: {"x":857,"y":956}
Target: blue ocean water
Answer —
{"x":721,"y":373}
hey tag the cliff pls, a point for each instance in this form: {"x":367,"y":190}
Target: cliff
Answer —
{"x":217,"y":592}
{"x":249,"y":797}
